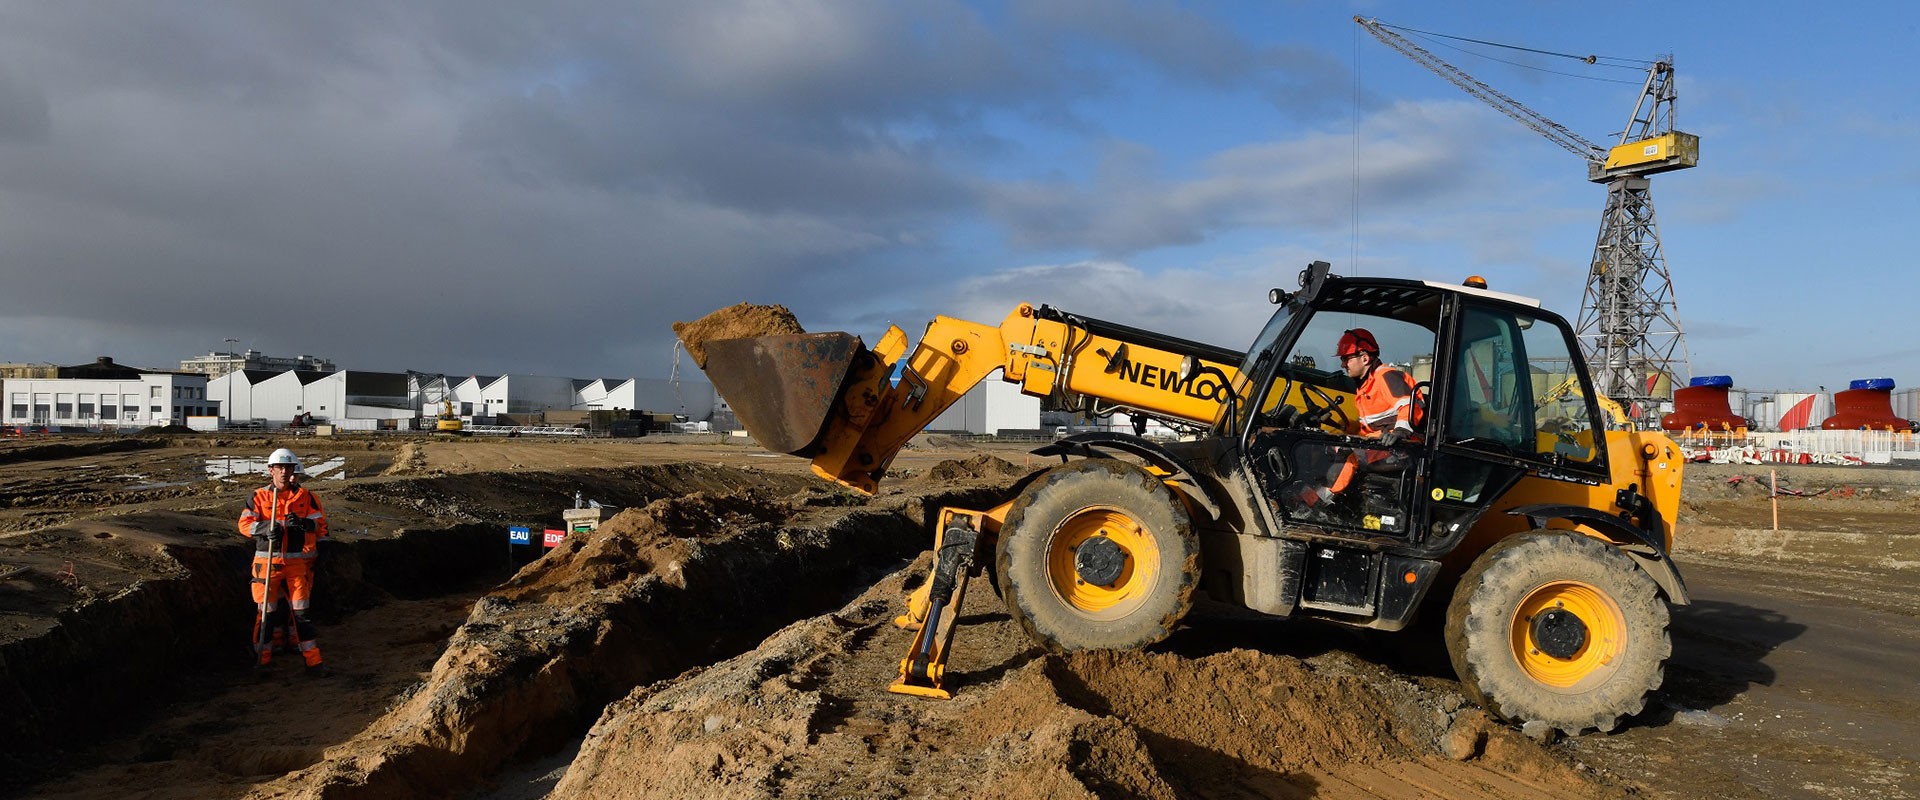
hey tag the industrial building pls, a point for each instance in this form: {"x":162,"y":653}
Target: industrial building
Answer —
{"x":106,"y":395}
{"x":214,"y":365}
{"x":355,"y":399}
{"x":693,"y":400}
{"x":276,"y":399}
{"x":991,"y":407}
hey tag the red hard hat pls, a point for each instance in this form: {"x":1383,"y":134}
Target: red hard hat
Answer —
{"x":1356,"y":341}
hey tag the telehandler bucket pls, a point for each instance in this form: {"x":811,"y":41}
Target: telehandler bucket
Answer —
{"x":783,"y":388}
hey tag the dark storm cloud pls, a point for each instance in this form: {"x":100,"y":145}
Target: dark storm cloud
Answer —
{"x":23,"y":110}
{"x":496,"y":187}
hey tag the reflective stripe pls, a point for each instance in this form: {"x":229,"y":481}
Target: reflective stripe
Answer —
{"x":300,"y":605}
{"x":300,"y":554}
{"x":299,"y":503}
{"x":1372,"y":420}
{"x":1386,"y":398}
{"x":309,"y":645}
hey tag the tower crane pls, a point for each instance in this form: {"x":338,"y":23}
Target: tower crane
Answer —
{"x":1629,"y":323}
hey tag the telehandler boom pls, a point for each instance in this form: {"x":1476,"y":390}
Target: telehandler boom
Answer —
{"x":1544,"y":534}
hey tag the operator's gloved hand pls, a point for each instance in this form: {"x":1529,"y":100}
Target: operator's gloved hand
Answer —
{"x":1393,"y":437}
{"x":273,"y":534}
{"x":299,"y":523}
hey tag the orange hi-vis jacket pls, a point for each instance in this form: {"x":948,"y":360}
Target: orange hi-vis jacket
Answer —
{"x":295,"y":545}
{"x":1386,"y":401}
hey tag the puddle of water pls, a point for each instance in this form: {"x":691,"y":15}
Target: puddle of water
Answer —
{"x":226,"y":467}
{"x":320,"y":470}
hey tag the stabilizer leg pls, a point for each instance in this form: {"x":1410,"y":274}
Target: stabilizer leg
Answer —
{"x":923,"y":671}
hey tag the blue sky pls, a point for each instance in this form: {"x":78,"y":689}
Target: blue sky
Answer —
{"x":488,"y":188}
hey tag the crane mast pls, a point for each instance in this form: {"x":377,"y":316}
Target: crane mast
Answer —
{"x":1629,"y":322}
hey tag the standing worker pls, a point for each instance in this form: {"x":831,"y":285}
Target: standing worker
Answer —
{"x":286,"y":525}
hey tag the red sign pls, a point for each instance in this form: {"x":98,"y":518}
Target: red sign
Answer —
{"x":554,"y":536}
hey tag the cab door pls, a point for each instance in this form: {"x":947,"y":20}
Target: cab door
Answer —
{"x":1517,"y":403}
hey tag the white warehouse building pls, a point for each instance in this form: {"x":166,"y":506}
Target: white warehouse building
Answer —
{"x":105,"y":395}
{"x":694,"y":400}
{"x":365,"y":400}
{"x":278,"y":398}
{"x":991,"y":407}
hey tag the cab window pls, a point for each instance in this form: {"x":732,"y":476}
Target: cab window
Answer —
{"x":1516,"y":389}
{"x":1314,"y":359}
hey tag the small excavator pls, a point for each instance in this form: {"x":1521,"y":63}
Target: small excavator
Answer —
{"x":1540,"y":535}
{"x":448,"y":421}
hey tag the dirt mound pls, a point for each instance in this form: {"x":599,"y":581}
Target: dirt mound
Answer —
{"x":806,"y":715}
{"x":937,"y":441}
{"x":159,"y":430}
{"x":735,"y":322}
{"x":976,"y":467}
{"x":408,"y":460}
{"x":53,"y":451}
{"x":652,"y":592}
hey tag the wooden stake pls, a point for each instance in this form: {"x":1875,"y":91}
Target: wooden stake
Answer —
{"x":1773,"y":491}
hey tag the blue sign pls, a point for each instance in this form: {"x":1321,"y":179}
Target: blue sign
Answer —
{"x":519,"y":535}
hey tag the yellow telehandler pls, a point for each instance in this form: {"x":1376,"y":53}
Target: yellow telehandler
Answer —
{"x":1544,"y":535}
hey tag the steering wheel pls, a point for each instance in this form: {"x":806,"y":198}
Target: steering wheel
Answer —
{"x":1319,"y":413}
{"x":1280,"y":416}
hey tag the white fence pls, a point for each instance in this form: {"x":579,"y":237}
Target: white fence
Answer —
{"x":1803,"y":447}
{"x":522,"y":430}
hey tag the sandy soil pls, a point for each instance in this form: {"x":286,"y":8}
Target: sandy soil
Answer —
{"x":737,"y":321}
{"x":719,"y":638}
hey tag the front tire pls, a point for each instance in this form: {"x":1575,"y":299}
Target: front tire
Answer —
{"x":1558,"y":627}
{"x":1097,"y":554}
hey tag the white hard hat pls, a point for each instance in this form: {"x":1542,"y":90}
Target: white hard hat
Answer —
{"x":284,"y":456}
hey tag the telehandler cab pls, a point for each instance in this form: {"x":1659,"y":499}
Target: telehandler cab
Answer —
{"x":1542,"y":536}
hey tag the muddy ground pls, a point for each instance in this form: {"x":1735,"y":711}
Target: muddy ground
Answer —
{"x":727,"y":633}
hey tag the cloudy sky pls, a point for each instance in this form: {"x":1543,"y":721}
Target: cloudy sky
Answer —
{"x":489,"y":187}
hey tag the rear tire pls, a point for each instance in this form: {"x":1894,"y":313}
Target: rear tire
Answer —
{"x":1558,"y":627}
{"x":1059,"y":516}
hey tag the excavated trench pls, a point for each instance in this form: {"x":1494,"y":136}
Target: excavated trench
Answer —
{"x":654,"y":592}
{"x":703,"y":564}
{"x":110,"y":662}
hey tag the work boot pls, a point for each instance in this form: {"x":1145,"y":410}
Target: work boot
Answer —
{"x":1312,"y":504}
{"x":318,"y":671}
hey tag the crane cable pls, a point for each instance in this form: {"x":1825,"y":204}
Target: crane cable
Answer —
{"x":1433,"y":39}
{"x":1632,"y":63}
{"x":1353,"y":262}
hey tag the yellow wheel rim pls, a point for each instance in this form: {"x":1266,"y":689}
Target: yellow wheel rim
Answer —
{"x":1137,"y":573}
{"x":1595,"y":658}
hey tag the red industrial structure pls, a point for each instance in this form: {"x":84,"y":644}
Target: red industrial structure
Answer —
{"x":1703,"y":406}
{"x":1867,"y":404}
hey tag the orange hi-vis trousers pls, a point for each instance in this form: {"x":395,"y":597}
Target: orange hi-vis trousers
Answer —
{"x":287,"y":593}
